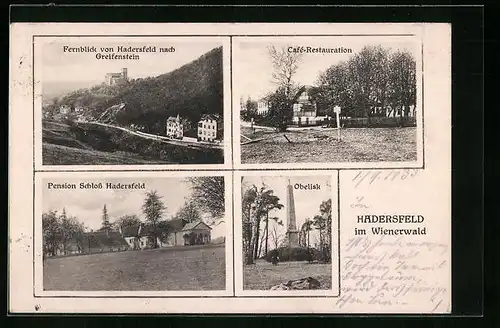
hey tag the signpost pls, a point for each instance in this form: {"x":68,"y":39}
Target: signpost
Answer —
{"x":336,"y":109}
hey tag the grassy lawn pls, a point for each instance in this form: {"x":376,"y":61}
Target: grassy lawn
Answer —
{"x":317,"y":146}
{"x":53,"y":154}
{"x":60,"y":147}
{"x":263,"y":275}
{"x":160,"y":269}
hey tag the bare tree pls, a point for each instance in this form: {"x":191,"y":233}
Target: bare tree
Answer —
{"x":275,"y":234}
{"x":209,"y":195}
{"x":285,"y":65}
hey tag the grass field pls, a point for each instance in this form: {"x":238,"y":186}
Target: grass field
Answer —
{"x":159,"y":269}
{"x":89,"y":144}
{"x":61,"y":155}
{"x":61,"y":147}
{"x":263,"y":275}
{"x":321,"y":146}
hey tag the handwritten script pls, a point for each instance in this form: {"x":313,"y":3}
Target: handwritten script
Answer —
{"x":394,"y":272}
{"x":364,"y":178}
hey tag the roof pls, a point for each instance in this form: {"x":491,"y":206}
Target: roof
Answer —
{"x":170,"y":226}
{"x":193,"y":225}
{"x":215,"y":117}
{"x":177,"y":224}
{"x":173,"y":119}
{"x":130,"y":231}
{"x":101,"y":239}
{"x":114,"y":74}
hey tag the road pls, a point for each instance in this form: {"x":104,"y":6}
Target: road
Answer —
{"x":185,"y":142}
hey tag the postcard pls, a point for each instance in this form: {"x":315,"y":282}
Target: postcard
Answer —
{"x":197,"y":168}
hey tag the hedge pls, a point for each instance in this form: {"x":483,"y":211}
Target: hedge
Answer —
{"x":286,"y":254}
{"x":377,"y":122}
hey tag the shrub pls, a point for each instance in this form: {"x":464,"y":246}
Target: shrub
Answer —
{"x":286,"y":254}
{"x":377,"y":122}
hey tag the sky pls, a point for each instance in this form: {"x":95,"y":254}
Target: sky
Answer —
{"x":252,"y":67}
{"x":71,"y":67}
{"x":307,"y":202}
{"x":87,"y":204}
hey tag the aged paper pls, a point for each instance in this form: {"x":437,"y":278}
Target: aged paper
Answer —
{"x":230,"y":168}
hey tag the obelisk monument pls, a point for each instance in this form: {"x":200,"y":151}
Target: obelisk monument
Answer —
{"x":292,"y":233}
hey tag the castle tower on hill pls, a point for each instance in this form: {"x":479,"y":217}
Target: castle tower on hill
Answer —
{"x":117,"y":78}
{"x":292,"y":233}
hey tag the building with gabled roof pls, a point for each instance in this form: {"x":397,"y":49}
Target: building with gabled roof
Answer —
{"x":178,"y":232}
{"x":210,"y":128}
{"x":174,"y":127}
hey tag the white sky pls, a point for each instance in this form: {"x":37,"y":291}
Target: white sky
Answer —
{"x":87,"y":204}
{"x":252,"y":67}
{"x":59,"y":66}
{"x":307,"y":202}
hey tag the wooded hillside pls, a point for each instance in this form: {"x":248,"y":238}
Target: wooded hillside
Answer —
{"x":190,"y":91}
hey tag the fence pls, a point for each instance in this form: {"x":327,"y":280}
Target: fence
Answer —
{"x":377,"y":122}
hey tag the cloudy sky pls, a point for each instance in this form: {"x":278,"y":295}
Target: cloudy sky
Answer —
{"x":87,"y":204}
{"x":252,"y":67}
{"x":61,"y":67}
{"x":307,"y":202}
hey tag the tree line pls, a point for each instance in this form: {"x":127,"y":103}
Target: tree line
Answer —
{"x":374,"y":82}
{"x":60,"y":231}
{"x":322,"y":223}
{"x":261,"y":229}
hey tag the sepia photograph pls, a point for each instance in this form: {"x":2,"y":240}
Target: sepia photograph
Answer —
{"x":287,"y":232}
{"x":327,"y":99}
{"x":131,"y":101}
{"x":134,"y":234}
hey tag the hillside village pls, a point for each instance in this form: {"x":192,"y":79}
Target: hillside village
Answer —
{"x":175,"y":117}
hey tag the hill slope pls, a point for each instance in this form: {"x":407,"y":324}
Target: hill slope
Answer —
{"x":190,"y":91}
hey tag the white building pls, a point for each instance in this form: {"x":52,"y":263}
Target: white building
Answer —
{"x":262,"y":107}
{"x":210,"y":128}
{"x":174,"y":128}
{"x":65,"y":110}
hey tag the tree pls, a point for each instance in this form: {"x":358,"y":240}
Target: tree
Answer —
{"x":66,"y":230}
{"x":270,"y":202}
{"x":335,"y":88}
{"x":276,"y":235}
{"x":280,"y":109}
{"x":106,"y":225}
{"x":371,"y":83}
{"x":188,"y":212}
{"x":248,"y":207}
{"x":60,"y":231}
{"x":208,"y":194}
{"x":127,"y":221}
{"x":256,"y":205}
{"x":164,"y":231}
{"x":51,"y":232}
{"x":285,"y":65}
{"x":249,"y":109}
{"x":153,"y":209}
{"x":323,"y":223}
{"x":304,"y":235}
{"x":403,"y":83}
{"x":325,"y":209}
